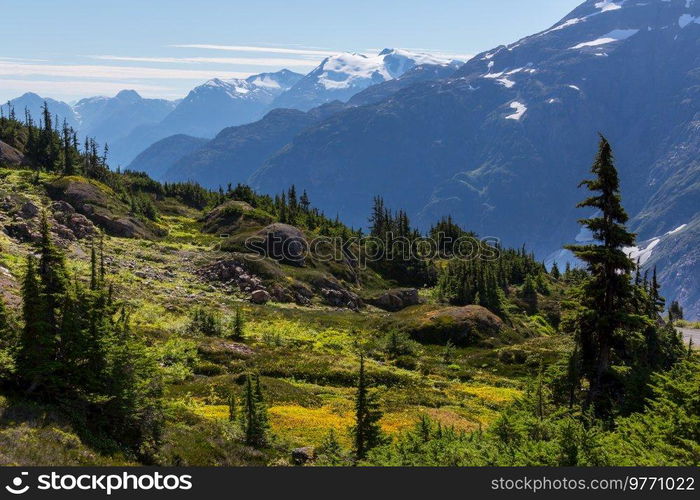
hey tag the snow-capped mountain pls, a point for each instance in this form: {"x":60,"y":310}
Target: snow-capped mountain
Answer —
{"x":502,"y":144}
{"x":342,"y":76}
{"x":223,"y":103}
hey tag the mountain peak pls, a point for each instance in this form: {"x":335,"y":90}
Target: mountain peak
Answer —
{"x":128,"y":94}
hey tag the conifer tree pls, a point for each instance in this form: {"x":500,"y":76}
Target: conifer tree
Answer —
{"x":606,"y":293}
{"x":238,"y":332}
{"x":232,"y":409}
{"x":254,"y":417}
{"x":554,"y":272}
{"x":37,"y":350}
{"x":366,"y":431}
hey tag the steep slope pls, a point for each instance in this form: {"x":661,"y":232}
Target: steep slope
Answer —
{"x":209,"y":108}
{"x":342,"y":76}
{"x":502,"y":145}
{"x":159,"y":157}
{"x":236,"y":152}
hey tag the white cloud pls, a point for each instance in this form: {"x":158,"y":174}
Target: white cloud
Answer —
{"x":112,"y":72}
{"x":275,"y":62}
{"x":249,"y":48}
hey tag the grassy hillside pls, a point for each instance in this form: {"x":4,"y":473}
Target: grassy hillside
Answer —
{"x":305,"y":354}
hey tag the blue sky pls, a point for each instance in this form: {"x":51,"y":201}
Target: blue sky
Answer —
{"x":70,"y":49}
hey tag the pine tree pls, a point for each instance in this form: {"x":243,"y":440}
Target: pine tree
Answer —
{"x":37,"y":347}
{"x":606,"y":293}
{"x":530,"y":295}
{"x":554,"y":272}
{"x":366,"y":431}
{"x":254,"y":417}
{"x":232,"y":409}
{"x":238,"y":332}
{"x":675,"y":312}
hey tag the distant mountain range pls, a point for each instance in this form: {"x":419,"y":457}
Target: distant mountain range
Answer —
{"x":130,"y":124}
{"x":502,"y":142}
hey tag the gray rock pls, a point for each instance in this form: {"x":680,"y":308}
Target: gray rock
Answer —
{"x":260,"y":297}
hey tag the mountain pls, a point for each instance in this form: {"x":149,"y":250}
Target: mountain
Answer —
{"x":223,"y":103}
{"x":35,"y":103}
{"x":108,"y":119}
{"x":160,"y":157}
{"x":208,"y":109}
{"x":502,"y":144}
{"x":236,"y":152}
{"x":342,"y":76}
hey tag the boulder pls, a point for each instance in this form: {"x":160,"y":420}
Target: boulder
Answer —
{"x":396,"y":300}
{"x":300,"y":456}
{"x":466,"y":325}
{"x":10,"y":156}
{"x":260,"y":297}
{"x":281,"y":242}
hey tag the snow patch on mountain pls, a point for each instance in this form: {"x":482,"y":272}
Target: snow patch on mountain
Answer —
{"x":687,"y":19}
{"x":642,"y":254}
{"x":520,"y":110}
{"x":613,"y":36}
{"x":608,"y":5}
{"x":678,"y":229}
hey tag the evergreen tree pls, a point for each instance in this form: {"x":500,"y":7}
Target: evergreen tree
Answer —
{"x":554,"y":272}
{"x":238,"y":330}
{"x":254,"y":417}
{"x":232,"y":409}
{"x":675,"y":312}
{"x":606,"y":293}
{"x":36,"y":359}
{"x":529,"y":294}
{"x":366,"y":431}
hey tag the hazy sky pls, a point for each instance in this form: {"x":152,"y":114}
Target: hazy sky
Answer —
{"x":67,"y":49}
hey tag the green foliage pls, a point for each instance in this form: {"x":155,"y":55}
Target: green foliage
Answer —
{"x":177,"y":357}
{"x":205,"y":322}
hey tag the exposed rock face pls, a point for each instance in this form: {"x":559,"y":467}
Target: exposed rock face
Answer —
{"x":10,"y":156}
{"x":336,"y":295}
{"x":22,"y":221}
{"x":65,"y":215}
{"x":102,"y":208}
{"x":395,"y":300}
{"x":282,"y":242}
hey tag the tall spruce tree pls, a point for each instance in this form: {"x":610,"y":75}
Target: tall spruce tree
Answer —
{"x":366,"y":432}
{"x":606,"y":293}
